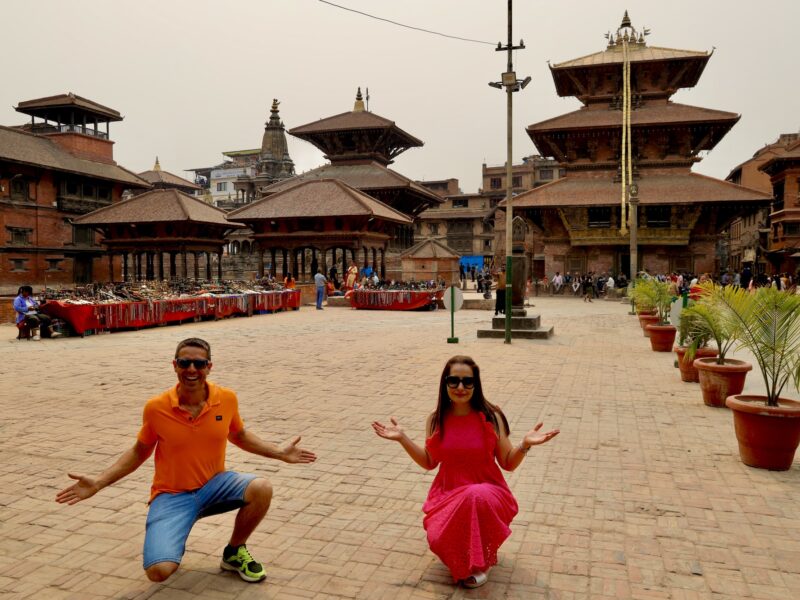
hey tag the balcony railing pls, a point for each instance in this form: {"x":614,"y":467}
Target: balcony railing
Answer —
{"x":84,"y":130}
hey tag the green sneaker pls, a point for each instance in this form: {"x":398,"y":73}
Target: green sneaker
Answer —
{"x":240,"y":560}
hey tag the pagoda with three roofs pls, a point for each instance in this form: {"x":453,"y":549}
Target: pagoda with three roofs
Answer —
{"x":581,"y":223}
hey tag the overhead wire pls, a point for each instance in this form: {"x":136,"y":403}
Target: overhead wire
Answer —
{"x":453,"y":37}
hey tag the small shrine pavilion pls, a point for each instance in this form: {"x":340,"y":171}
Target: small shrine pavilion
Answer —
{"x":327,"y":217}
{"x":579,"y":222}
{"x":164,"y":180}
{"x":146,"y":227}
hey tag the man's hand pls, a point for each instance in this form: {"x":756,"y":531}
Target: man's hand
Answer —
{"x":85,"y":488}
{"x":291,"y":453}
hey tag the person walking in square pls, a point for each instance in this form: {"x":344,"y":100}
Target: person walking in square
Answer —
{"x":320,"y":283}
{"x":469,"y":506}
{"x":188,"y":427}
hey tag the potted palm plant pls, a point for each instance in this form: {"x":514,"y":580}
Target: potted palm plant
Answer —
{"x":641,"y":293}
{"x":693,"y":340}
{"x":719,"y":376}
{"x":662,"y":333}
{"x":767,"y":427}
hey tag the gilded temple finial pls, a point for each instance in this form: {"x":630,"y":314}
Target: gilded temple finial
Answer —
{"x":157,"y":166}
{"x":359,"y":104}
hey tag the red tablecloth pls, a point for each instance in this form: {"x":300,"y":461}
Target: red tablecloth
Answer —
{"x":393,"y":299}
{"x":131,"y":315}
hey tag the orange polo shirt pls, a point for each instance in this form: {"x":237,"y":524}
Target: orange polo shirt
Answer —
{"x":189,"y":451}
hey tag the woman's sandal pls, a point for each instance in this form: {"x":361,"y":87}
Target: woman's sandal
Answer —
{"x":475,"y":580}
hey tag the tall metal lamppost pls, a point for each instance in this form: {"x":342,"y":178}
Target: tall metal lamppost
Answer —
{"x":510,"y":82}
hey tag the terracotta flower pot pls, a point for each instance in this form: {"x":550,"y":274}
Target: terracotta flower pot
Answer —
{"x":645,"y":320}
{"x":688,"y":372}
{"x":768,"y":436}
{"x":662,"y":337}
{"x":717,"y":382}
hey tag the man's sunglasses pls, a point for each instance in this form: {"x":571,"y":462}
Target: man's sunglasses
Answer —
{"x":199,"y":363}
{"x":452,"y":382}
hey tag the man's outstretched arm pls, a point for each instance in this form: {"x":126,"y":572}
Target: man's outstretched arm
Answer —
{"x":288,"y":452}
{"x":86,"y":487}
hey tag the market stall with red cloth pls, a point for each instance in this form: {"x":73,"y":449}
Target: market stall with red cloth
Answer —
{"x":394,"y":299}
{"x":83,"y":317}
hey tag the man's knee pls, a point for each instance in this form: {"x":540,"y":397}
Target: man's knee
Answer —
{"x":161,"y":571}
{"x":259,"y":490}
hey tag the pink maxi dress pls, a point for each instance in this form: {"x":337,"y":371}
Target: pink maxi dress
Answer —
{"x":469,"y":505}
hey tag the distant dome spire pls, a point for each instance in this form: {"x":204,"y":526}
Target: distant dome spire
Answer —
{"x":626,"y":20}
{"x":157,"y":166}
{"x":359,"y":105}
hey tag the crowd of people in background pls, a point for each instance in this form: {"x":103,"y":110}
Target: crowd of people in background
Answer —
{"x":592,"y":285}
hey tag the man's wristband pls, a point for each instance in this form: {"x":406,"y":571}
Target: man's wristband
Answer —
{"x":523,"y":449}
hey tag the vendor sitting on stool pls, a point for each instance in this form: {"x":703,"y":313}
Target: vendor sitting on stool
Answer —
{"x":29,"y":319}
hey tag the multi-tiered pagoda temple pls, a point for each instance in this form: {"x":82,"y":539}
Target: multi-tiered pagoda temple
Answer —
{"x":577,"y":222}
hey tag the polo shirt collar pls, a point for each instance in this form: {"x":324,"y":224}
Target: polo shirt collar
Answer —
{"x":213,"y":395}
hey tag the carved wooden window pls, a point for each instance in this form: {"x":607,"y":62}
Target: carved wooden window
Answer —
{"x":657,"y":216}
{"x":19,"y":236}
{"x":545,"y":173}
{"x":460,"y":203}
{"x":495,"y":183}
{"x":599,"y":216}
{"x":19,"y":188}
{"x":516,"y":181}
{"x":82,"y":236}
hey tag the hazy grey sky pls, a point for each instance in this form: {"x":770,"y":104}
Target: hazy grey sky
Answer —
{"x":196,"y":78}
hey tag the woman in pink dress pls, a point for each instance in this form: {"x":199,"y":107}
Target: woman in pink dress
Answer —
{"x":469,"y":506}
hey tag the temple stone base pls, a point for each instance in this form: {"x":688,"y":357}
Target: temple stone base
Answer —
{"x":522,"y":327}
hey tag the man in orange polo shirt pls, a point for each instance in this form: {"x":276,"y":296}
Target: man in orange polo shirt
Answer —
{"x":189,"y":426}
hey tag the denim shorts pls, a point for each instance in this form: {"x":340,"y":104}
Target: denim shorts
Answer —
{"x":172,"y":516}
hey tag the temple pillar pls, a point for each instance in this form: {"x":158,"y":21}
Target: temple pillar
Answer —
{"x":303,"y":264}
{"x":366,"y":257}
{"x":285,"y":259}
{"x":261,"y":262}
{"x":137,"y":259}
{"x":160,"y":265}
{"x":314,"y":262}
{"x":111,"y":267}
{"x":383,"y":263}
{"x":124,"y":266}
{"x":219,"y":264}
{"x":185,"y":264}
{"x":149,"y":274}
{"x":375,"y":260}
{"x":208,"y":266}
{"x":173,"y":265}
{"x":196,"y":265}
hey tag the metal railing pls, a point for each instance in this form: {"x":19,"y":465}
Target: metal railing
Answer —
{"x":67,"y":128}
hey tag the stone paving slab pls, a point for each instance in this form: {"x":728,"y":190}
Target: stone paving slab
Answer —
{"x":641,"y":496}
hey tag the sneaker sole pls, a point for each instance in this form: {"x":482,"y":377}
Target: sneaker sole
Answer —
{"x":226,"y":567}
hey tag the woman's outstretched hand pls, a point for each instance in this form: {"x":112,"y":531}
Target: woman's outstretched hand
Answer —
{"x":390,"y":432}
{"x":534,"y":438}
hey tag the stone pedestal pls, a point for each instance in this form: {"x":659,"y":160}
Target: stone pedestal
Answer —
{"x":522,"y":326}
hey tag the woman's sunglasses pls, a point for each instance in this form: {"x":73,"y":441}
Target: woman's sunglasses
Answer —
{"x":452,"y":382}
{"x":199,"y":363}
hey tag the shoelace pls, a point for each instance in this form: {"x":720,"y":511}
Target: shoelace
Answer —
{"x":244,"y":556}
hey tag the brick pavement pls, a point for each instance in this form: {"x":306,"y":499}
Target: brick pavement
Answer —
{"x":641,"y":496}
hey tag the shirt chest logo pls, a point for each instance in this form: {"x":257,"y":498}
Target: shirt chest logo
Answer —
{"x":219,"y":417}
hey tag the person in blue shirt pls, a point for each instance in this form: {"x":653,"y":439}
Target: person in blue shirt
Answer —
{"x":320,"y":283}
{"x":28,"y":316}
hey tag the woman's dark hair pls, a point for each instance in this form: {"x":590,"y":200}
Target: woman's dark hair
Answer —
{"x":478,"y":401}
{"x":24,"y":288}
